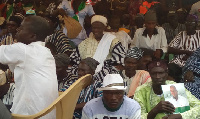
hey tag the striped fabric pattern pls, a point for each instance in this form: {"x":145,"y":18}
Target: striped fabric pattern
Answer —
{"x":60,"y":40}
{"x":171,"y":33}
{"x":184,"y":42}
{"x":8,"y":98}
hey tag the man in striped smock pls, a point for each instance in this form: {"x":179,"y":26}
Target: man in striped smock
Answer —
{"x":182,"y":46}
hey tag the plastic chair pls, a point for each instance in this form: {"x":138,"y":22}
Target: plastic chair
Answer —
{"x":65,"y":103}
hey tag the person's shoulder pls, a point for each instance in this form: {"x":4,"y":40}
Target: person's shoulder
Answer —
{"x":94,"y":102}
{"x":130,"y":102}
{"x":160,"y":29}
{"x":144,"y":87}
{"x":131,"y":105}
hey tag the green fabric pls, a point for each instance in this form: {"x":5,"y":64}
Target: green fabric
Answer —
{"x":9,"y":12}
{"x":80,"y":7}
{"x":182,"y":109}
{"x":147,"y":99}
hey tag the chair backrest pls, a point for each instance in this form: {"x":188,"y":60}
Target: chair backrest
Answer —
{"x":65,"y":104}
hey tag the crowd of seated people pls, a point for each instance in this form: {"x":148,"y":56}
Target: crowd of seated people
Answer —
{"x":129,"y":47}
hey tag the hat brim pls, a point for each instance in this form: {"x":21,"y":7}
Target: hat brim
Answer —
{"x":113,"y":88}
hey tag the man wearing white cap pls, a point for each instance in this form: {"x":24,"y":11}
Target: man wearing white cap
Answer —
{"x":113,"y":104}
{"x":101,"y":46}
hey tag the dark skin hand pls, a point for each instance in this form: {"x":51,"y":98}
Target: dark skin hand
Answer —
{"x":189,"y":76}
{"x":161,"y":107}
{"x":173,"y":116}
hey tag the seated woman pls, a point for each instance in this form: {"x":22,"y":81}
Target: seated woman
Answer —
{"x":191,"y":74}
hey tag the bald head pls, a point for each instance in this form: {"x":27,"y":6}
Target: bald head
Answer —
{"x":38,"y":26}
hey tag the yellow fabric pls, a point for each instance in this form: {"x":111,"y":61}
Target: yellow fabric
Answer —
{"x":87,"y":48}
{"x":124,"y":29}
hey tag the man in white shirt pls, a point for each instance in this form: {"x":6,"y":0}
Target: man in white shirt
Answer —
{"x":177,"y":100}
{"x":34,"y":68}
{"x":151,"y":36}
{"x":113,"y":104}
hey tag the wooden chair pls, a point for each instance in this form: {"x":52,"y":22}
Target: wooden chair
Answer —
{"x":65,"y":104}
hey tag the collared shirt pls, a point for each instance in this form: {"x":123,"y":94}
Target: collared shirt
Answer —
{"x":36,"y":85}
{"x":184,"y":42}
{"x":147,"y":99}
{"x":157,"y":41}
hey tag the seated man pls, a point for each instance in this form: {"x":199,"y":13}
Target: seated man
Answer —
{"x":113,"y":104}
{"x":133,"y":77}
{"x":36,"y":86}
{"x":182,"y":46}
{"x":101,"y":46}
{"x":151,"y":36}
{"x":151,"y":99}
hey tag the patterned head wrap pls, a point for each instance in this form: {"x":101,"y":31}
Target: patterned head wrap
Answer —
{"x":92,"y":63}
{"x":134,"y":52}
{"x":157,"y":63}
{"x":62,"y":60}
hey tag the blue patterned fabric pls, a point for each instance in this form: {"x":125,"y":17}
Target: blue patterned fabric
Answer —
{"x":193,"y":64}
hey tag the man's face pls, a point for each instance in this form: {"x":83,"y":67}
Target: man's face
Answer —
{"x":130,"y":64}
{"x":174,"y":92}
{"x":12,"y":27}
{"x":113,"y":98}
{"x":173,"y":20}
{"x":144,"y":61}
{"x":97,"y":29}
{"x":158,"y":75}
{"x":24,"y":34}
{"x":150,"y":25}
{"x":190,"y":25}
{"x":84,"y":69}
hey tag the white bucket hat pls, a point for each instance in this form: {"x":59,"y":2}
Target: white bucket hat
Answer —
{"x":113,"y":82}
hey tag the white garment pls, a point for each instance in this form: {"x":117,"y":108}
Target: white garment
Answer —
{"x":158,"y":41}
{"x":94,"y":109}
{"x":181,"y":102}
{"x":36,"y":85}
{"x":102,"y":50}
{"x":124,"y":38}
